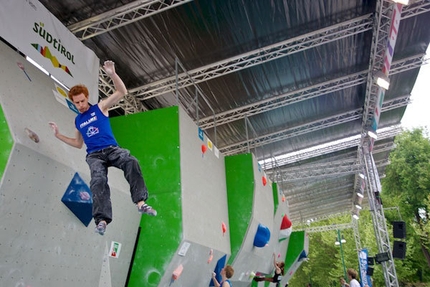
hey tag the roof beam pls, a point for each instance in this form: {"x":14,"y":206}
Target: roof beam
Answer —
{"x":322,"y":210}
{"x":256,"y":57}
{"x":339,"y":226}
{"x":291,"y":198}
{"x":416,"y":8}
{"x":348,"y":116}
{"x":308,"y":171}
{"x":263,"y":55}
{"x":243,"y":146}
{"x":306,"y":154}
{"x":121,"y":16}
{"x":325,"y":183}
{"x":324,"y":216}
{"x":348,"y":157}
{"x":277,"y":101}
{"x":321,"y":167}
{"x":329,"y":170}
{"x":322,"y":199}
{"x":409,"y":63}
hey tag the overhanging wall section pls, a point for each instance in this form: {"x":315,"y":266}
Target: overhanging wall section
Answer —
{"x":153,"y":138}
{"x":186,"y":187}
{"x":41,"y":234}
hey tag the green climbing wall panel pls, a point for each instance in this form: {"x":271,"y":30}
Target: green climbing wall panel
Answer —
{"x":6,"y":142}
{"x":240,"y":195}
{"x":153,"y":138}
{"x":296,"y":245}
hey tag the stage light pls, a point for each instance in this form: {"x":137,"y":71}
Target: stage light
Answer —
{"x":372,"y":134}
{"x":382,"y":80}
{"x":403,"y":2}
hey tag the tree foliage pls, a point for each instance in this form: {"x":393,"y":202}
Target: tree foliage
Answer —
{"x":408,"y":183}
{"x":406,"y":188}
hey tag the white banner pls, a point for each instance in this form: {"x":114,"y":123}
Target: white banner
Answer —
{"x":33,"y":30}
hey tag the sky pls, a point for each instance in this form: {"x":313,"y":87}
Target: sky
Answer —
{"x":417,"y":113}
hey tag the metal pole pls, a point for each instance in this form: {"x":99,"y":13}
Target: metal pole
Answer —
{"x":341,"y":254}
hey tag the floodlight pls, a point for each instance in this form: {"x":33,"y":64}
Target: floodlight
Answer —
{"x":403,"y":2}
{"x":372,"y":134}
{"x":382,"y":80}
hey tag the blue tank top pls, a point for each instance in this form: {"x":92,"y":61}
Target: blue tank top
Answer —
{"x":95,"y":129}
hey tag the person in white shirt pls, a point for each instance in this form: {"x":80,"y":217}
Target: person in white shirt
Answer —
{"x":352,"y":275}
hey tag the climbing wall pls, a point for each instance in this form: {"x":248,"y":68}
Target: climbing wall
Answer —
{"x":186,"y":180}
{"x":297,"y":252}
{"x":199,"y":224}
{"x":254,"y":206}
{"x":42,"y":242}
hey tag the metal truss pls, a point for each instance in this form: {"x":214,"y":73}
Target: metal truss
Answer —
{"x":121,"y":16}
{"x":346,"y":159}
{"x":322,"y":210}
{"x":325,"y":168}
{"x":351,"y":156}
{"x":317,"y":187}
{"x":373,"y":188}
{"x":330,"y":169}
{"x":322,"y":217}
{"x":328,"y":202}
{"x":299,"y":156}
{"x":348,"y":116}
{"x":270,"y":53}
{"x":256,"y":57}
{"x":306,"y":93}
{"x":277,"y":101}
{"x":416,"y":8}
{"x":382,"y":18}
{"x":379,"y":44}
{"x":384,"y":147}
{"x":356,"y":234}
{"x":340,"y":226}
{"x":408,"y":63}
{"x":290,"y":188}
{"x":242,"y":146}
{"x":306,"y":193}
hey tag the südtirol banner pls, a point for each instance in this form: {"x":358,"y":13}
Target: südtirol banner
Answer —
{"x":33,"y":30}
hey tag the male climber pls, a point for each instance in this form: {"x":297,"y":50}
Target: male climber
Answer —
{"x":93,"y":128}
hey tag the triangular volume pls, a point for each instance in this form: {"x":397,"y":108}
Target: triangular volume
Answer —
{"x":303,"y":255}
{"x":83,"y":211}
{"x":285,"y":233}
{"x":78,"y":198}
{"x":286,"y":223}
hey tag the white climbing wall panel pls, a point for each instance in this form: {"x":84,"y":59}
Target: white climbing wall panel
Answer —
{"x":42,"y":243}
